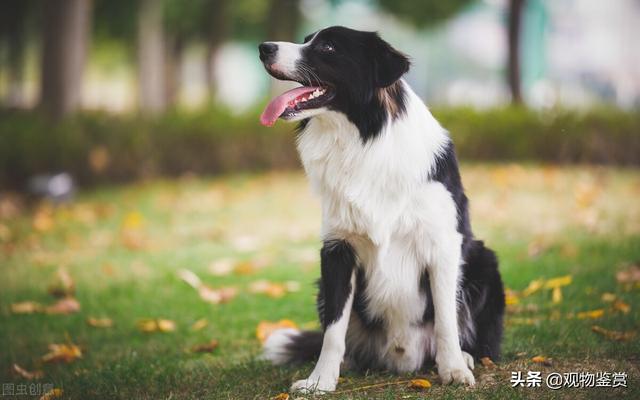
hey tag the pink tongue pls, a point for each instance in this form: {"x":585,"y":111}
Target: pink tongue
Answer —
{"x":277,"y":106}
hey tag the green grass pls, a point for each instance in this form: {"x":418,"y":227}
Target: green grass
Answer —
{"x":543,"y":222}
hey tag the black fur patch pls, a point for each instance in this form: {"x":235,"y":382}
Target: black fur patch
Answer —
{"x":360,"y":304}
{"x":337,"y":260}
{"x":446,"y":172}
{"x":304,"y":347}
{"x":361,"y":66}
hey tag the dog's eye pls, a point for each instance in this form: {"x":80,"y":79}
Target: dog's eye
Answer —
{"x":326,"y":47}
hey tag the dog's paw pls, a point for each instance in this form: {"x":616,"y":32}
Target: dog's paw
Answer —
{"x":468,"y":359}
{"x":457,"y":372}
{"x":312,"y":385}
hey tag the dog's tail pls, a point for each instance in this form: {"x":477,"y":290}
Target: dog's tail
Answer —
{"x":292,"y":346}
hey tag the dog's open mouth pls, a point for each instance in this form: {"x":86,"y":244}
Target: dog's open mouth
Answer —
{"x":291,"y":102}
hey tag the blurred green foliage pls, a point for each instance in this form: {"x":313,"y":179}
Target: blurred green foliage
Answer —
{"x":421,"y":13}
{"x":212,"y":141}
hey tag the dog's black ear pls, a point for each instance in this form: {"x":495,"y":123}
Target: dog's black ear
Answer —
{"x":388,"y":63}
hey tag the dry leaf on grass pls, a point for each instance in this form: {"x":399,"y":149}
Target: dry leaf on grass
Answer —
{"x":62,"y":353}
{"x":26,"y":307}
{"x":52,"y":394}
{"x":281,"y":396}
{"x":265,"y":328}
{"x":541,"y":360}
{"x":208,"y":347}
{"x":487,"y":362}
{"x":420,"y":384}
{"x":217,"y":296}
{"x":556,"y":295}
{"x":629,"y":275}
{"x":26,"y":374}
{"x":533,"y":287}
{"x":156,"y":325}
{"x":244,"y":268}
{"x":621,"y":306}
{"x":199,"y":324}
{"x":272,"y":289}
{"x":67,"y":305}
{"x":100,"y":322}
{"x":510,"y":297}
{"x":593,"y":314}
{"x":207,"y":293}
{"x":558,"y":282}
{"x":614,"y":335}
{"x":608,"y":297}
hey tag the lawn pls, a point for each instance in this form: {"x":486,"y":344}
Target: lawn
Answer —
{"x":127,"y":251}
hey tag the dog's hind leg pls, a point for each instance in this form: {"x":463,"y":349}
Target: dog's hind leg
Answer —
{"x":482,"y":281}
{"x":337,"y":285}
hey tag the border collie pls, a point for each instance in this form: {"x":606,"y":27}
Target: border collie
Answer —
{"x":403,"y":284}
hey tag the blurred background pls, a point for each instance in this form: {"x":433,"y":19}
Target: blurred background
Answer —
{"x":119,"y":90}
{"x":140,"y":196}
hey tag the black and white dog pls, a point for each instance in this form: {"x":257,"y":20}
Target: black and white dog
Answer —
{"x":403,"y":281}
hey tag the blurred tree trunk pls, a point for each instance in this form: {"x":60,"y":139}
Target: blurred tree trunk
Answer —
{"x":173,"y":69}
{"x":13,"y":15}
{"x":66,"y":36}
{"x":219,"y":30}
{"x":514,"y":33}
{"x":151,"y":51}
{"x":283,"y":21}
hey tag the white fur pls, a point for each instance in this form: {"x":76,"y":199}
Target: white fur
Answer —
{"x":324,"y":377}
{"x":379,"y":198}
{"x":275,"y":345}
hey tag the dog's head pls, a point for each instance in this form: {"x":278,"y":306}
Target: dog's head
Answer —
{"x":341,"y":69}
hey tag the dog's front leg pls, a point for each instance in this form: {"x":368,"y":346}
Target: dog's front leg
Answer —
{"x":337,"y":284}
{"x":443,"y":271}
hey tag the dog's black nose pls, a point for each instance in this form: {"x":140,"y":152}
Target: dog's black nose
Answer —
{"x":267,"y":50}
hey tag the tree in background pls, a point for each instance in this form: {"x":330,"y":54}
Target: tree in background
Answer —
{"x":513,"y":39}
{"x":423,"y":14}
{"x":151,"y":56}
{"x":15,"y":16}
{"x":65,"y":33}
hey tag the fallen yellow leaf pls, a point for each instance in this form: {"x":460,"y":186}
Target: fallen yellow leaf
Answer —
{"x":556,"y":295}
{"x":244,"y":268}
{"x":52,"y":394}
{"x":281,"y":396}
{"x":510,"y":297}
{"x":419,"y":384}
{"x":487,"y":362}
{"x":608,"y":297}
{"x":208,"y":347}
{"x":26,"y":374}
{"x":533,"y":287}
{"x":132,"y":220}
{"x":593,"y":314}
{"x":156,"y":325}
{"x":62,"y":353}
{"x":26,"y":307}
{"x":199,"y":324}
{"x":558,"y":282}
{"x":265,"y":328}
{"x":99,"y":322}
{"x":613,"y":335}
